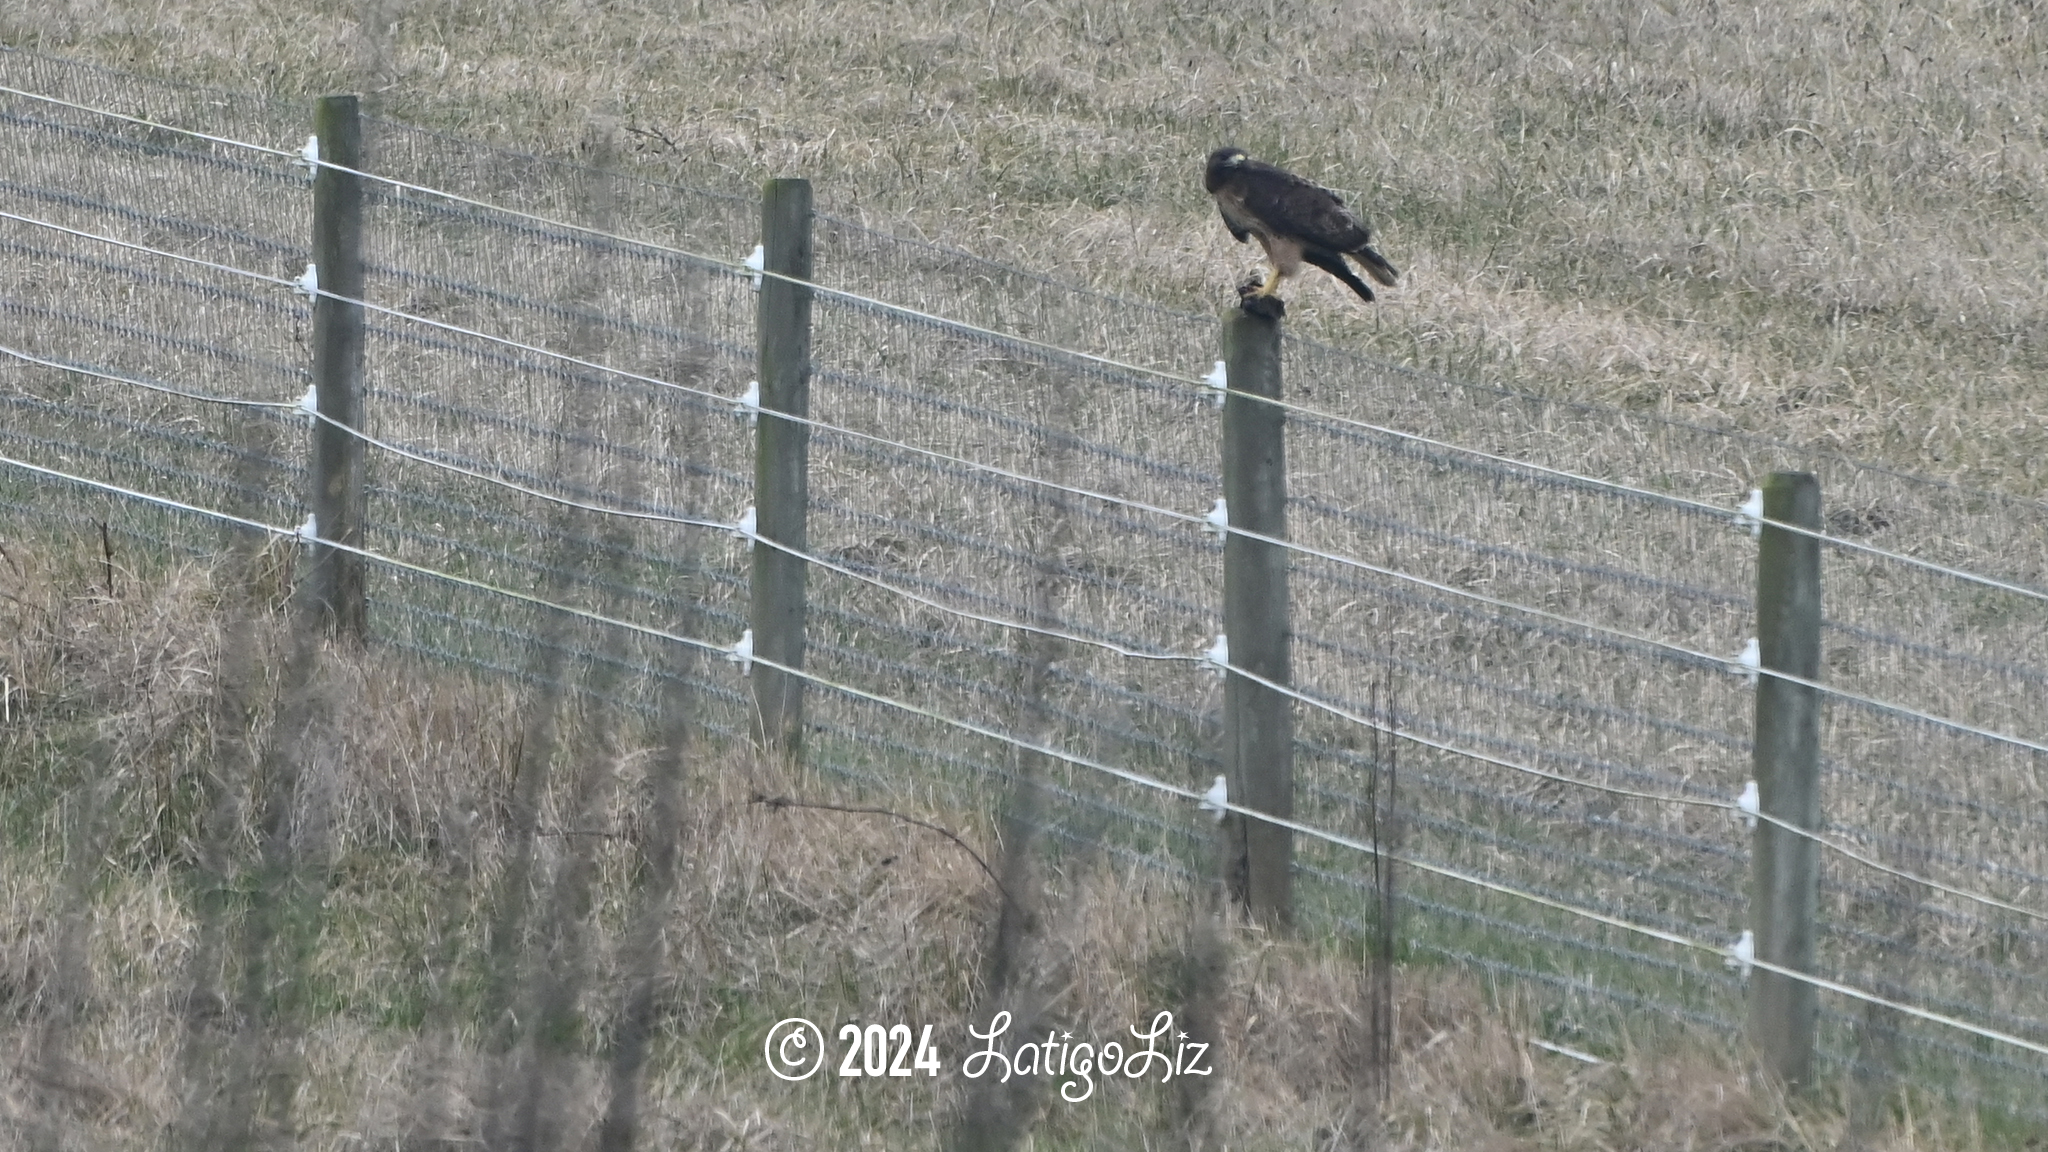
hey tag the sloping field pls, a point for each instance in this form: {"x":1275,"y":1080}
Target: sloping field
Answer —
{"x":1659,"y":249}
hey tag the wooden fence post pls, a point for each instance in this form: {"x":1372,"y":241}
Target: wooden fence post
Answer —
{"x":1786,"y":766}
{"x":1258,"y":723}
{"x":335,"y":579}
{"x":781,"y":462}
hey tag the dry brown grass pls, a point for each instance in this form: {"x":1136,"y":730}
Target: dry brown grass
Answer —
{"x":1819,"y":223}
{"x":1822,"y":222}
{"x":872,"y":920}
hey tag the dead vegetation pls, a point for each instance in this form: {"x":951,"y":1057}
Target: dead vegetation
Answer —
{"x":129,"y":1005}
{"x":1822,"y":222}
{"x":1819,"y":223}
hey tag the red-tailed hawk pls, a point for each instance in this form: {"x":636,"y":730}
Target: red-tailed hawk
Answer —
{"x":1296,"y":221}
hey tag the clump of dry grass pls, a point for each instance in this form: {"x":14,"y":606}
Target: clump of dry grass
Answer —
{"x":835,"y":916}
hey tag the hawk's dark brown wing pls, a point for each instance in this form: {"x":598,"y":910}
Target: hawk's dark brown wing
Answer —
{"x":1291,"y":206}
{"x":1240,"y":228}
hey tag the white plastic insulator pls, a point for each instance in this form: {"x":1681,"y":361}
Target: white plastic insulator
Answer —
{"x":1216,"y":797}
{"x":757,"y":262}
{"x":1218,"y":379}
{"x":745,"y":528}
{"x":1561,"y":1050}
{"x":310,"y":530}
{"x":1219,"y":519}
{"x":1750,"y":802}
{"x":308,"y":285}
{"x":310,"y":155}
{"x":1742,"y":953}
{"x":742,"y":653}
{"x":310,"y":402}
{"x":1751,"y":514}
{"x":1751,"y":661}
{"x":749,"y":404}
{"x":1218,"y":655}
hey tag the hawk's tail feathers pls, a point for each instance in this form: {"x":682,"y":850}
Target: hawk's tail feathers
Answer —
{"x":1334,"y":264}
{"x":1376,"y":266}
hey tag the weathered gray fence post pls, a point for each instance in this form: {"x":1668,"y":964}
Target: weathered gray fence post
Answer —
{"x":782,"y":461}
{"x":1258,"y":722}
{"x":335,"y":578}
{"x":1786,"y":766}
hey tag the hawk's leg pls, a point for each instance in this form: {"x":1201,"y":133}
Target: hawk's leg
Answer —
{"x":1261,"y":299}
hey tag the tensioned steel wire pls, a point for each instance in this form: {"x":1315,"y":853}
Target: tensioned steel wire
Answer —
{"x":1084,"y":343}
{"x":1138,"y":779}
{"x":723,"y":513}
{"x":969,"y":464}
{"x":1125,"y":775}
{"x":1061,"y":634}
{"x":741,"y":267}
{"x":703,"y":523}
{"x":1100,"y":495}
{"x":1679,"y":650}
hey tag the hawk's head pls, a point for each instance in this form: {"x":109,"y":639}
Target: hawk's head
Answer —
{"x":1221,"y":162}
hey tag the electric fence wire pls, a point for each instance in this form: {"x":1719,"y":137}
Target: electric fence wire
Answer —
{"x":1134,"y":778}
{"x":740,"y":529}
{"x":1568,"y":621}
{"x":820,"y":425}
{"x":163,"y":340}
{"x":741,"y":268}
{"x":153,"y":386}
{"x":1553,"y":775}
{"x":1401,"y":733}
{"x":1120,"y":650}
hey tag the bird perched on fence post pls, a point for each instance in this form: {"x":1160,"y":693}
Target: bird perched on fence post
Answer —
{"x":1295,"y":220}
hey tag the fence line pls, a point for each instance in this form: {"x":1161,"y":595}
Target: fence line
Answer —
{"x":928,"y":538}
{"x":1312,"y":701}
{"x":311,"y":159}
{"x":1328,"y":707}
{"x":166,"y":389}
{"x":1701,"y":802}
{"x":1732,"y":664}
{"x":1125,"y":775}
{"x":741,"y":528}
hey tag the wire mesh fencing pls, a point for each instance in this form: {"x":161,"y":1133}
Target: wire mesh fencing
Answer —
{"x":1009,"y":483}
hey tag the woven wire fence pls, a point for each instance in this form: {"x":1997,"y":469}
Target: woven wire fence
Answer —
{"x":945,"y":389}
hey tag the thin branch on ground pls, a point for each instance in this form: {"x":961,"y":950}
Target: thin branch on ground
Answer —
{"x":777,"y":803}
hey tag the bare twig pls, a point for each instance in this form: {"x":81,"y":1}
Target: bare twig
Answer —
{"x":778,"y":803}
{"x":654,"y":134}
{"x":107,"y":556}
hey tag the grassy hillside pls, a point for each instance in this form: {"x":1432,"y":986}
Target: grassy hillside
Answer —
{"x":172,"y":980}
{"x":258,"y":893}
{"x":1824,"y":222}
